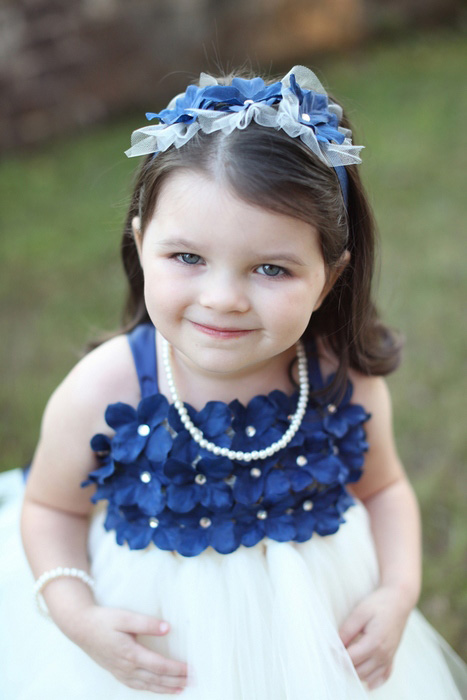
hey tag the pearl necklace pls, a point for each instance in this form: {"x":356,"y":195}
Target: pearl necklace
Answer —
{"x":198,"y":436}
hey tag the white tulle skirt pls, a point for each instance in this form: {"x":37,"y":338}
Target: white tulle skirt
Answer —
{"x":260,"y":623}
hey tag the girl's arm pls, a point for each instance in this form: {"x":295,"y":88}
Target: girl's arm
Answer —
{"x":55,"y":521}
{"x":373,"y":630}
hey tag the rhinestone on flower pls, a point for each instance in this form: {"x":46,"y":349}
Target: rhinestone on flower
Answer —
{"x":205,"y":522}
{"x":307,"y":505}
{"x":301,"y":460}
{"x":153,"y":522}
{"x":250,"y":430}
{"x":145,"y":477}
{"x":262,"y":515}
{"x":255,"y":472}
{"x":306,"y":117}
{"x":200,"y":479}
{"x":331,"y":408}
{"x":248,"y":102}
{"x":144,"y":430}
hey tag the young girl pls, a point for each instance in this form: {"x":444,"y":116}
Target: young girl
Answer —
{"x":216,"y":506}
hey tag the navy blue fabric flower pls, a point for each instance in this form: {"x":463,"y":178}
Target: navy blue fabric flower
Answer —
{"x":351,"y":449}
{"x":315,"y":107}
{"x":200,"y":530}
{"x":325,"y":514}
{"x":267,"y":520}
{"x":255,"y":425}
{"x":102,"y":446}
{"x":203,"y":484}
{"x":140,"y":429}
{"x":258,"y":479}
{"x":213,"y":420}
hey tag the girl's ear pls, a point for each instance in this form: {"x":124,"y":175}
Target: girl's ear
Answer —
{"x":137,"y":235}
{"x":332,"y":277}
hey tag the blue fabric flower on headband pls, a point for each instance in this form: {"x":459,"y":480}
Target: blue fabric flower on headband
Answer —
{"x":222,"y":98}
{"x":314,"y":112}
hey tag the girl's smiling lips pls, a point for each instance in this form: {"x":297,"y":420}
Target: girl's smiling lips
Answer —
{"x":221,"y":332}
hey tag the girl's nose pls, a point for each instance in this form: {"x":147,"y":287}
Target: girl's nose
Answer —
{"x":224,"y":294}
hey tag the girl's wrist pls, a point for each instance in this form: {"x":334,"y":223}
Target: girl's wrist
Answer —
{"x":66,"y":598}
{"x":407,"y":593}
{"x":51,"y":575}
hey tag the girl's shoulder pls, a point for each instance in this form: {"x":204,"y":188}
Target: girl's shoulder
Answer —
{"x":103,"y":376}
{"x":382,"y":464}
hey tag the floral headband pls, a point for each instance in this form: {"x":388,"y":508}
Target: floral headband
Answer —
{"x":298,"y":105}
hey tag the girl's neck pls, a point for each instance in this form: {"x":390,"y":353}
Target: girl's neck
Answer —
{"x":197,"y":387}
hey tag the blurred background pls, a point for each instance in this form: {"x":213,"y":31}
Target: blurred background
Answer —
{"x":77,"y":77}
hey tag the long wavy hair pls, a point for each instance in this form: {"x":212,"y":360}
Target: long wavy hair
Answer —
{"x":267,"y":168}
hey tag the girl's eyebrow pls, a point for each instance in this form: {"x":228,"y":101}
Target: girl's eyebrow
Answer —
{"x":177,"y":243}
{"x":192,"y":245}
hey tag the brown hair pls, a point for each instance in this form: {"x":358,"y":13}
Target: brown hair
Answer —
{"x":266,"y":167}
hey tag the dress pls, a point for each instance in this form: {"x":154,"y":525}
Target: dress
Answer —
{"x":254,"y":565}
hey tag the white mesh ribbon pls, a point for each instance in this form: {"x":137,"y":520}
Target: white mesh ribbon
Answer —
{"x":288,"y":112}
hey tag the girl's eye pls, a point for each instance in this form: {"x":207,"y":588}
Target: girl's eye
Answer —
{"x":271,"y":270}
{"x":188,"y":258}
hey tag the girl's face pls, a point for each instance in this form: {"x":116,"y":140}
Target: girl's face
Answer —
{"x":230,"y":285}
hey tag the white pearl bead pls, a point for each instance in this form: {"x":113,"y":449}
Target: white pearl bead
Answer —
{"x":217,"y":450}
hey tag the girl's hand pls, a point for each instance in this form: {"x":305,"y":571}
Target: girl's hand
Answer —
{"x":108,"y":636}
{"x":372,"y":634}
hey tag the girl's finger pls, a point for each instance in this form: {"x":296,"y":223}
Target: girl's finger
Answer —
{"x":353,"y":626}
{"x":135,"y":623}
{"x":378,"y":677}
{"x":159,"y":683}
{"x":361,"y":651}
{"x":159,"y":665}
{"x":368,"y":667}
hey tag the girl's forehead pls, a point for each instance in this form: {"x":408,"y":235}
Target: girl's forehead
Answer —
{"x":193,"y":199}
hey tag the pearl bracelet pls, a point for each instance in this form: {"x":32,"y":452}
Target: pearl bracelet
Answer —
{"x":59,"y":572}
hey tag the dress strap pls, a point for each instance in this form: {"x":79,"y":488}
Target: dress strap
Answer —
{"x":314,"y":370}
{"x":142,"y":342}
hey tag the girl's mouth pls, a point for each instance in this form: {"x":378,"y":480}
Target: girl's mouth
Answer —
{"x":219,"y":332}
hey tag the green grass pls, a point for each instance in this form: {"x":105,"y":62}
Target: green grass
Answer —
{"x":61,"y":214}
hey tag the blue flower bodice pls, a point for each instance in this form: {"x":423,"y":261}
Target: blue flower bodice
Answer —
{"x":162,"y":487}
